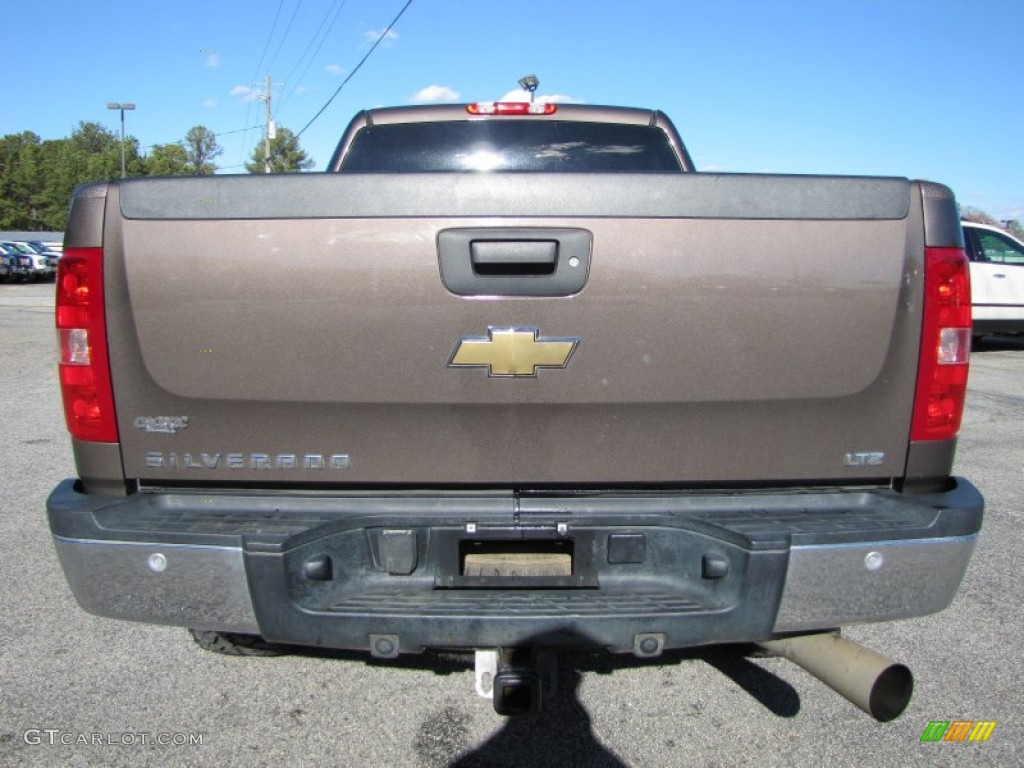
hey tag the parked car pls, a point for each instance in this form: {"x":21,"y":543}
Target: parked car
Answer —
{"x":997,"y":279}
{"x":40,"y":247}
{"x":41,"y":266}
{"x":21,"y":265}
{"x":45,"y":259}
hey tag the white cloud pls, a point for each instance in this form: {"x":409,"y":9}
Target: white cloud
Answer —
{"x":213,"y":60}
{"x":334,"y":69}
{"x":210,"y":103}
{"x":246,"y":93}
{"x":435,"y":94}
{"x":371,"y":35}
{"x":550,"y":98}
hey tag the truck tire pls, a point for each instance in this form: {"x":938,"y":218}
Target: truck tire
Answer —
{"x":234,"y":643}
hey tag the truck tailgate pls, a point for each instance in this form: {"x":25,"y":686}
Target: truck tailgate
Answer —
{"x":298,"y":330}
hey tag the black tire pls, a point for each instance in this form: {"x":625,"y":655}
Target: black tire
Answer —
{"x":235,"y":644}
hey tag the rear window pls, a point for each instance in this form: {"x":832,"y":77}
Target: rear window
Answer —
{"x":510,"y":145}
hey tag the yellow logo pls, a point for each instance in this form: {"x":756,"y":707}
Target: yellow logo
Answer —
{"x":512,"y":352}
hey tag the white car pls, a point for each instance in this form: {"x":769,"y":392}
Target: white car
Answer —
{"x":997,"y":279}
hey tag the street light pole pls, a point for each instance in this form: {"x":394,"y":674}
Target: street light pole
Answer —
{"x":122,"y":106}
{"x":529,"y":83}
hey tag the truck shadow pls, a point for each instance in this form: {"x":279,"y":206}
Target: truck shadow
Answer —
{"x":561,"y":733}
{"x":732,"y":660}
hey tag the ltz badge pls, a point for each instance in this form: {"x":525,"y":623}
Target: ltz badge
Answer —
{"x":513,"y":352}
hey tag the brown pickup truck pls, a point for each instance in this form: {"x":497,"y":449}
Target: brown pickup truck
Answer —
{"x":513,"y":377}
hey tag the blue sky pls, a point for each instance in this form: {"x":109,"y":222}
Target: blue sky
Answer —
{"x":919,"y":88}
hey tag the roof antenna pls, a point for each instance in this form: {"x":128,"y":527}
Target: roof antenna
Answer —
{"x":529,"y":83}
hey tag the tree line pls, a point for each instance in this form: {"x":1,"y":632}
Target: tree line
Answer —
{"x":37,"y":177}
{"x":978,"y":216}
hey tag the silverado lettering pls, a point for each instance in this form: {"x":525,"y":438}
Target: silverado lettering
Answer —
{"x":752,"y":443}
{"x":314,"y":461}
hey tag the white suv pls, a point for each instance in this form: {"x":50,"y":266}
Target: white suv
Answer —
{"x":997,"y":279}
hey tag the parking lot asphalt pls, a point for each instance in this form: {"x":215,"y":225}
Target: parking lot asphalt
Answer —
{"x":81,"y":690}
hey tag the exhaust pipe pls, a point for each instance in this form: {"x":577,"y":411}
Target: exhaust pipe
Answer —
{"x":875,"y":683}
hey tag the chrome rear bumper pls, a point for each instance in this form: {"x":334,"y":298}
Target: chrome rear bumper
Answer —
{"x":710,"y":568}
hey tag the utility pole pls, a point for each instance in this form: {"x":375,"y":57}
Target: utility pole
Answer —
{"x":266,"y":135}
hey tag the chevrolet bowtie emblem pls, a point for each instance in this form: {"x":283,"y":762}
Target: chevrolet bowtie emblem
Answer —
{"x":512,"y":352}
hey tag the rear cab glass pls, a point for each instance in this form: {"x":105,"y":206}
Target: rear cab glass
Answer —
{"x":511,"y":145}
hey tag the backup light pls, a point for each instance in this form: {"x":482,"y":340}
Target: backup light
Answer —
{"x":74,"y":346}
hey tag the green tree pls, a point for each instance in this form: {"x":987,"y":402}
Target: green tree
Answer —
{"x":97,"y":153}
{"x":56,"y":191}
{"x":93,"y":139}
{"x":167,"y":160}
{"x":21,"y":181}
{"x":285,"y":155}
{"x":201,"y":149}
{"x":37,"y":177}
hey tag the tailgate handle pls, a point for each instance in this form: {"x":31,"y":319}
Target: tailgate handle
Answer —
{"x":496,"y":258}
{"x":514,"y":261}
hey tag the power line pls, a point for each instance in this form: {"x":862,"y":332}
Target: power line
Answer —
{"x":270,"y":37}
{"x":215,"y":133}
{"x":289,"y":78}
{"x":280,"y":45}
{"x":360,"y":64}
{"x":237,"y":130}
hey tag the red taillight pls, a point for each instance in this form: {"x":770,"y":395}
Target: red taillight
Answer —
{"x":510,"y":108}
{"x":945,"y":346}
{"x":82,"y":338}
